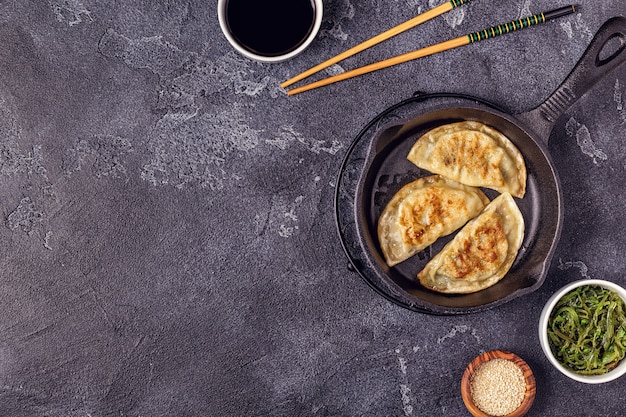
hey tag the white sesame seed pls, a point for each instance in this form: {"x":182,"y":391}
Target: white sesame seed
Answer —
{"x":498,"y":387}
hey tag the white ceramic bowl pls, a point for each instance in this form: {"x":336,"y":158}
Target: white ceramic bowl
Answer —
{"x":543,"y":332}
{"x":221,"y":14}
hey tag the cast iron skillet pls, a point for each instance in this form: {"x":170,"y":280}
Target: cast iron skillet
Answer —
{"x":376,"y":167}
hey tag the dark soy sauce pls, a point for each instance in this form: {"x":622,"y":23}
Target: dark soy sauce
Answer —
{"x":270,"y":27}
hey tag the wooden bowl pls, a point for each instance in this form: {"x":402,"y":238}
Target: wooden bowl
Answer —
{"x":531,"y":386}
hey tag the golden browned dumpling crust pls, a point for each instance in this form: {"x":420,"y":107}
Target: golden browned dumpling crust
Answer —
{"x":422,"y":211}
{"x":474,"y":154}
{"x":481,"y":253}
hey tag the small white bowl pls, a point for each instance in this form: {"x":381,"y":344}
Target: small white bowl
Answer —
{"x":221,"y":14}
{"x":543,"y":332}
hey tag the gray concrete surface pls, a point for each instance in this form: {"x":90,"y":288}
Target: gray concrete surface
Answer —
{"x":168,"y":245}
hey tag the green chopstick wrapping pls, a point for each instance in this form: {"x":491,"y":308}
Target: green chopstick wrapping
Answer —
{"x":520,"y":24}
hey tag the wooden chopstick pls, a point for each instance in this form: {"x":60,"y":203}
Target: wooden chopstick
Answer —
{"x":419,"y":19}
{"x":443,"y":46}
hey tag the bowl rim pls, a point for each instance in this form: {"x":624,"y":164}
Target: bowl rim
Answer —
{"x":543,"y":331}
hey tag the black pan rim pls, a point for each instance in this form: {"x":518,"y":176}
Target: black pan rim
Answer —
{"x":423,"y":305}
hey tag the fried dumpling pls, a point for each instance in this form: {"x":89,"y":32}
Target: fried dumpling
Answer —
{"x":481,"y":253}
{"x":422,"y":211}
{"x":473,"y":154}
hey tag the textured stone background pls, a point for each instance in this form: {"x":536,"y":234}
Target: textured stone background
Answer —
{"x":168,"y":245}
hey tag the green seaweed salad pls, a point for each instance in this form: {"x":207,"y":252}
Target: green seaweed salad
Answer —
{"x":587,"y":330}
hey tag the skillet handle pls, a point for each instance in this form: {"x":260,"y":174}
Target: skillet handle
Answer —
{"x":606,"y":52}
